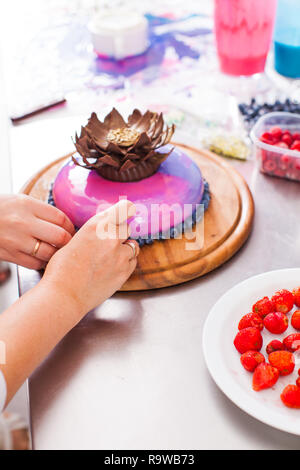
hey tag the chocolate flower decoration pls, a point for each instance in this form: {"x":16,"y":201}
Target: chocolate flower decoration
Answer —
{"x":124,"y":151}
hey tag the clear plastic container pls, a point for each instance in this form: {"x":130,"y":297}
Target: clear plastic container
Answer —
{"x":273,"y":160}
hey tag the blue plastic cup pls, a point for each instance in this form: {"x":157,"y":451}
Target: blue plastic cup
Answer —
{"x":287,"y":38}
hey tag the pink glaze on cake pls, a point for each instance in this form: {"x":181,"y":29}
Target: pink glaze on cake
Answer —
{"x":163,"y":200}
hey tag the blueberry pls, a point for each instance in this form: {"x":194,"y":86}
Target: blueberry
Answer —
{"x":141,"y":242}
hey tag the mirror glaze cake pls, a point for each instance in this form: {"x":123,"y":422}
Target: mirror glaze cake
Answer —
{"x":132,"y":160}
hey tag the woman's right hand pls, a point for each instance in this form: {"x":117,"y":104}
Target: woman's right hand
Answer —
{"x":91,"y":267}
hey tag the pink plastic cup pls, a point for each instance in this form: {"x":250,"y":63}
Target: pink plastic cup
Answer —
{"x":243,"y":31}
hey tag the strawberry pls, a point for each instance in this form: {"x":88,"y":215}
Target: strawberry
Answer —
{"x":267,"y":138}
{"x":296,"y":294}
{"x":292,"y":342}
{"x":298,"y":382}
{"x":291,"y":396}
{"x":286,"y":138}
{"x":275,"y":345}
{"x":296,"y":136}
{"x":276,"y":132}
{"x":265,"y":376}
{"x":285,"y":162}
{"x":276,"y":322}
{"x":251,"y":359}
{"x":269,"y":166}
{"x":295,"y":145}
{"x":249,"y":339}
{"x":283,"y":300}
{"x":295,"y":321}
{"x":282,"y":145}
{"x":251,"y":319}
{"x":284,"y":361}
{"x":263,"y":306}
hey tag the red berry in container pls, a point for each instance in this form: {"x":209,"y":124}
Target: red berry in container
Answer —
{"x":282,"y":145}
{"x":276,"y":322}
{"x":249,"y":339}
{"x":299,"y":372}
{"x":284,"y":361}
{"x":263,"y":307}
{"x":296,"y":136}
{"x":267,"y":138}
{"x":298,"y":382}
{"x":285,"y":162}
{"x":283,"y":301}
{"x":295,"y":320}
{"x":287,"y":139}
{"x":251,"y":319}
{"x":296,"y":294}
{"x":269,"y":166}
{"x":296,"y":145}
{"x":292,"y":342}
{"x":275,"y":345}
{"x":265,"y":376}
{"x":291,"y":396}
{"x":276,"y":132}
{"x":251,"y":359}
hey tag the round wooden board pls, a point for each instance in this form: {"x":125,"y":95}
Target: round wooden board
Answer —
{"x":226,"y":226}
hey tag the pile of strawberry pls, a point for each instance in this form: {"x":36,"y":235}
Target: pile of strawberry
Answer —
{"x":277,"y":163}
{"x":272,"y":315}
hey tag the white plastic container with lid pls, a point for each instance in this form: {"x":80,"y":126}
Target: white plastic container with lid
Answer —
{"x":274,"y":160}
{"x":119,"y":33}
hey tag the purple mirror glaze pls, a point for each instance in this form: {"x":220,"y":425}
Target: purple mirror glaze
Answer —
{"x":163,"y":200}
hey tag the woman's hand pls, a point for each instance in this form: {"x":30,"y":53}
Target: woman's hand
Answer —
{"x":23,"y":222}
{"x":95,"y":263}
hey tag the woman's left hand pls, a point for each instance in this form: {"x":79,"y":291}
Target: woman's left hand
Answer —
{"x":31,"y":231}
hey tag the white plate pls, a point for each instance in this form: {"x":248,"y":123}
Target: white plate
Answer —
{"x":223,"y":360}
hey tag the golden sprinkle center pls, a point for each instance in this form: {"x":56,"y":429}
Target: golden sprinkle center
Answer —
{"x":123,"y":137}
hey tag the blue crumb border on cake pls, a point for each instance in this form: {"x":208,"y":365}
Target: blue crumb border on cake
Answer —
{"x":174,"y":231}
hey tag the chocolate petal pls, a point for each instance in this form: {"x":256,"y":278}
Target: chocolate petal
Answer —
{"x":144,"y":123}
{"x":134,"y":117}
{"x":133,"y":156}
{"x":83,"y":132}
{"x":114,"y":120}
{"x":82,"y":147}
{"x":159,"y":124}
{"x":166,"y":136}
{"x":127,"y":165}
{"x":97,"y":131}
{"x":94,"y":126}
{"x":149,"y":155}
{"x":163,"y":156}
{"x":79,"y":164}
{"x":114,"y":148}
{"x":143,"y":140}
{"x":109,"y":160}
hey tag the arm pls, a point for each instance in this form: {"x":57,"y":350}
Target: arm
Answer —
{"x":30,"y":329}
{"x":79,"y":277}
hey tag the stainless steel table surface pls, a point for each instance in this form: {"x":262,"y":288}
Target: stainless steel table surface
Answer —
{"x":131,"y":375}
